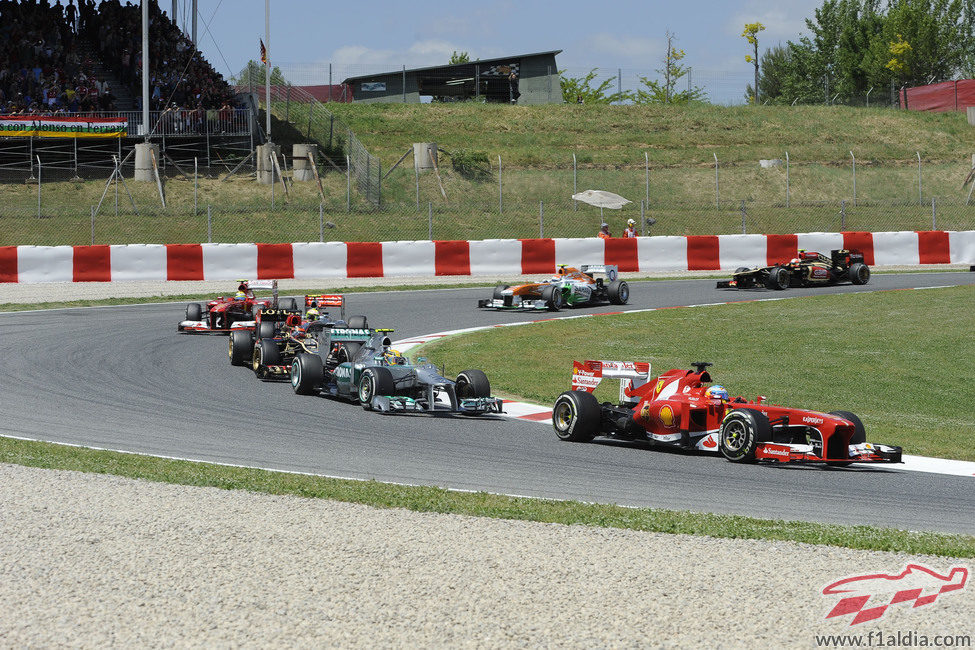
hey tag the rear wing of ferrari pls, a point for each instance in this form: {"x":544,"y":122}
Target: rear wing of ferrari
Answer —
{"x":327,"y":300}
{"x":586,"y":375}
{"x":264,"y":284}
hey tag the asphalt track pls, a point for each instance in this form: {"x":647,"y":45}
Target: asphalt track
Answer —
{"x":122,"y":378}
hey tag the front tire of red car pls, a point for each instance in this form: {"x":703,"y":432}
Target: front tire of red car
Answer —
{"x":742,"y":430}
{"x":859,"y":434}
{"x":194,"y":311}
{"x":575,"y":416}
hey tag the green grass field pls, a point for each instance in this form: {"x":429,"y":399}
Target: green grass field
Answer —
{"x":900,"y":360}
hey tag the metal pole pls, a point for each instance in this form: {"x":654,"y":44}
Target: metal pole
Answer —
{"x":348,"y":184}
{"x":194,"y":24}
{"x":404,"y":84}
{"x":195,"y":186}
{"x":787,"y":179}
{"x":75,"y":157}
{"x":920,"y":200}
{"x":430,"y":220}
{"x":541,"y":219}
{"x":646,"y":166}
{"x":321,"y":223}
{"x":868,"y":96}
{"x":575,"y":181}
{"x":854,"y":178}
{"x":416,"y":173}
{"x":329,"y":98}
{"x":116,"y":175}
{"x":92,"y":225}
{"x":934,"y":214}
{"x":267,"y":70}
{"x":500,"y":194}
{"x":30,"y":155}
{"x":209,"y":225}
{"x":717,"y":195}
{"x":145,"y":68}
{"x":270,"y":159}
{"x":38,"y":187}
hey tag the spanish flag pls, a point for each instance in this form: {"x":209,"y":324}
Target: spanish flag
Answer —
{"x":263,"y":52}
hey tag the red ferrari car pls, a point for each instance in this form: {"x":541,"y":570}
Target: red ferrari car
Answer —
{"x":679,"y":408}
{"x":227,"y":313}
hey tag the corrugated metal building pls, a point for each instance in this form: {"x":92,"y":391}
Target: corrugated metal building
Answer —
{"x":518,"y":79}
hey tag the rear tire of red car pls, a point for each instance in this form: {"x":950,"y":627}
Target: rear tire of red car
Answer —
{"x":194,"y":311}
{"x":778,"y":279}
{"x":307,"y":374}
{"x":742,"y":430}
{"x":859,"y":434}
{"x":618,"y":292}
{"x":472,"y":383}
{"x":374,"y":381}
{"x":241,"y":347}
{"x":552,"y":296}
{"x":358,"y":322}
{"x":575,"y":416}
{"x":859,"y":273}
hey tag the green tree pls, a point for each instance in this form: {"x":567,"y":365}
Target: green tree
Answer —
{"x":252,"y":74}
{"x":459,"y":57}
{"x":656,"y":92}
{"x":581,"y":89}
{"x":750,"y":34}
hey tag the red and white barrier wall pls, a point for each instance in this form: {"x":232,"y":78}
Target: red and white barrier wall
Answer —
{"x":492,"y":256}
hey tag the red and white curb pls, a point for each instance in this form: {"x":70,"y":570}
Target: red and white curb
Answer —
{"x":543,"y":414}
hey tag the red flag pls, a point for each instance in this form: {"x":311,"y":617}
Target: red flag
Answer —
{"x":263,"y":52}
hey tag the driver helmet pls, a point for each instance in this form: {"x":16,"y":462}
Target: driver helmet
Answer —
{"x":717,"y":392}
{"x":311,"y":314}
{"x":240,"y":295}
{"x":794,"y":262}
{"x":393,"y":357}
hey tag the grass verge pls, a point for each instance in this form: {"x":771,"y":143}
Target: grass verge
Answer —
{"x":480,"y":504}
{"x":896,"y":358}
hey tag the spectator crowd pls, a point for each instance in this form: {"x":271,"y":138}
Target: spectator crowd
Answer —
{"x":47,"y":66}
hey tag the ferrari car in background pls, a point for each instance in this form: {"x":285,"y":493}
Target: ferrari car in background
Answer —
{"x":679,"y":408}
{"x":360,"y":366}
{"x":809,"y":269}
{"x":590,"y":284}
{"x":227,"y":313}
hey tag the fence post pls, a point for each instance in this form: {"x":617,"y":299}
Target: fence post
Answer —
{"x":934,"y":214}
{"x":38,"y":187}
{"x":430,"y":220}
{"x":500,"y":193}
{"x":643,"y":216}
{"x":321,"y":223}
{"x":404,"y":84}
{"x":575,"y":181}
{"x":270,"y":158}
{"x":854,"y":178}
{"x":646,"y":167}
{"x":348,"y":182}
{"x":842,"y":215}
{"x":75,"y":157}
{"x":92,"y":225}
{"x":416,"y":174}
{"x":717,"y":194}
{"x":541,"y":219}
{"x":743,"y":215}
{"x":329,"y":97}
{"x":920,"y":199}
{"x":787,"y":179}
{"x":195,"y":186}
{"x":209,"y":225}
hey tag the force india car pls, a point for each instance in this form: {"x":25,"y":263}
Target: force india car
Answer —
{"x":589,"y":284}
{"x":678,"y":409}
{"x":224,"y":314}
{"x":369,"y":372}
{"x":809,"y":269}
{"x":281,"y":334}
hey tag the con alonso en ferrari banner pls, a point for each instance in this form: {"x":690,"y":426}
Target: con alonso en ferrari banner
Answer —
{"x":62,"y":127}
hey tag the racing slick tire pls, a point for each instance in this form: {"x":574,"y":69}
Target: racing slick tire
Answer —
{"x":552,"y":295}
{"x":307,"y":374}
{"x":264,"y":331}
{"x":859,"y":273}
{"x":499,"y":291}
{"x":358,"y":322}
{"x":859,"y":434}
{"x":575,"y":416}
{"x":618,"y":292}
{"x":747,"y":282}
{"x":374,"y":381}
{"x":289,"y":303}
{"x":742,"y":430}
{"x":194,"y":311}
{"x":266,"y":353}
{"x":778,"y":279}
{"x":241,"y":347}
{"x":472,"y":383}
